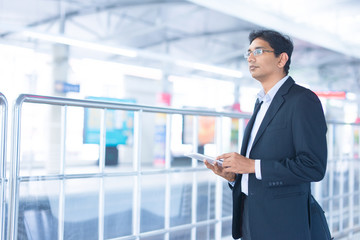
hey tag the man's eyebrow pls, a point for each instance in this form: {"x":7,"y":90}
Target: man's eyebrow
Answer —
{"x":256,"y":48}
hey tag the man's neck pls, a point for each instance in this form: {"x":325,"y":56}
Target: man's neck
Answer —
{"x":268,"y":83}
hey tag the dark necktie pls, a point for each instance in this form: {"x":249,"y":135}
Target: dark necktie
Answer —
{"x":257,"y":107}
{"x":256,"y":110}
{"x":250,"y":125}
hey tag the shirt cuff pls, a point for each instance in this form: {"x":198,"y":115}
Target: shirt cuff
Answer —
{"x":233,"y":182}
{"x":258,"y":169}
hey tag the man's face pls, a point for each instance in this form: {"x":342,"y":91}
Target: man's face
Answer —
{"x":265,"y":65}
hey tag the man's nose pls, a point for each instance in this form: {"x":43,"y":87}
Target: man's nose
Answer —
{"x":251,"y":57}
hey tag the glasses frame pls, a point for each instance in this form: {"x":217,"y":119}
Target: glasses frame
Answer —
{"x":256,"y":52}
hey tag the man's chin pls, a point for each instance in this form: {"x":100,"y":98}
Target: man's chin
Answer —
{"x":254,"y":75}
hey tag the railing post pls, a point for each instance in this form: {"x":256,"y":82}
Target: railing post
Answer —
{"x":61,"y":211}
{"x":195,"y":179}
{"x":3,"y":147}
{"x":138,"y":117}
{"x":102,"y":158}
{"x":14,"y":173}
{"x":168,"y":176}
{"x":219,"y":180}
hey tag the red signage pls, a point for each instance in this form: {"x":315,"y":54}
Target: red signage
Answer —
{"x":332,"y":95}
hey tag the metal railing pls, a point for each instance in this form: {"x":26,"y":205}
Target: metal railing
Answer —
{"x":137,"y":172}
{"x":338,"y":193}
{"x":3,"y":148}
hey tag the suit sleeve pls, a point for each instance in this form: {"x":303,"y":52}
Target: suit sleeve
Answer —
{"x":308,"y":128}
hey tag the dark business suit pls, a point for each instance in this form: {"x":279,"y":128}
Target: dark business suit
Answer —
{"x":291,"y":144}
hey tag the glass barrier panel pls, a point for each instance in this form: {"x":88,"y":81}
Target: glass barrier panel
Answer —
{"x":180,"y":235}
{"x":38,"y":210}
{"x":119,"y":140}
{"x":181,"y":198}
{"x":205,"y":196}
{"x":226,"y":229}
{"x":152,"y":202}
{"x":118,"y":206}
{"x":226,"y":200}
{"x":179,"y":147}
{"x":81,"y":212}
{"x":82,"y":149}
{"x":155,"y":237}
{"x":40,"y":140}
{"x":152,"y":140}
{"x":205,"y":232}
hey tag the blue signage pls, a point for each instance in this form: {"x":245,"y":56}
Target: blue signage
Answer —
{"x":65,"y":87}
{"x":119,"y":124}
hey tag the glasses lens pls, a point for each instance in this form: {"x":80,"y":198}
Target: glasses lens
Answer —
{"x":258,"y":52}
{"x":246,"y":55}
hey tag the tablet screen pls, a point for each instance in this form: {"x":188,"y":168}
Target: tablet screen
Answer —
{"x":203,"y":157}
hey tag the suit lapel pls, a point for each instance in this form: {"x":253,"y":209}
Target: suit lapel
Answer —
{"x":274,"y":107}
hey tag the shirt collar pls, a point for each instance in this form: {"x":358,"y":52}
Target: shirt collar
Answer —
{"x":266,"y":98}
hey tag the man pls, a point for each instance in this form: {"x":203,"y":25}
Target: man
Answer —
{"x":283,"y":149}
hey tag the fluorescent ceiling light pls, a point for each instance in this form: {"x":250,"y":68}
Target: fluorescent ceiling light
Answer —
{"x":144,"y":72}
{"x":210,"y":68}
{"x":132,"y":53}
{"x":173,"y":78}
{"x":131,"y":70}
{"x":81,"y":44}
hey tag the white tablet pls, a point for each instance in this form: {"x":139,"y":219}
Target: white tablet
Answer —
{"x":203,"y":157}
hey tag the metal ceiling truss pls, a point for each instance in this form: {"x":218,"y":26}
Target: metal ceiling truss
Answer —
{"x":204,"y":31}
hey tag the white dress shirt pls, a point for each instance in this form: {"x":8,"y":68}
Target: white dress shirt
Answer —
{"x":267,"y":99}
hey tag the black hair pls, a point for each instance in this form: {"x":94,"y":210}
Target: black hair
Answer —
{"x":279,"y":42}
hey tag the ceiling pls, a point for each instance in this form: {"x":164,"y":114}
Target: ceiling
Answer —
{"x":205,"y":38}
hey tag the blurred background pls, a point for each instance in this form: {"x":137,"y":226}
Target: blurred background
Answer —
{"x":94,"y":171}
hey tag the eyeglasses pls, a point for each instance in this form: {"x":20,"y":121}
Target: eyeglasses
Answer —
{"x":256,"y":52}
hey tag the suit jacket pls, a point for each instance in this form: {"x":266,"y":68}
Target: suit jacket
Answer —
{"x":291,"y":144}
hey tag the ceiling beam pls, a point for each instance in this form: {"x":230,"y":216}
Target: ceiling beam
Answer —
{"x":164,"y":23}
{"x":196,"y":35}
{"x":265,"y":19}
{"x":92,"y":9}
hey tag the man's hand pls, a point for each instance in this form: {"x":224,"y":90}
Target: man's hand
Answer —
{"x":218,"y":170}
{"x":236,"y":163}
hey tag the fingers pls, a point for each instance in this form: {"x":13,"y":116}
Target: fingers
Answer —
{"x":208,"y":165}
{"x":226,"y":173}
{"x":227,"y":155}
{"x":223,"y":156}
{"x":225,"y":163}
{"x":215,"y":168}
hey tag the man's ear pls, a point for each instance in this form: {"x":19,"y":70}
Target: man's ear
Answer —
{"x":283,"y":58}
